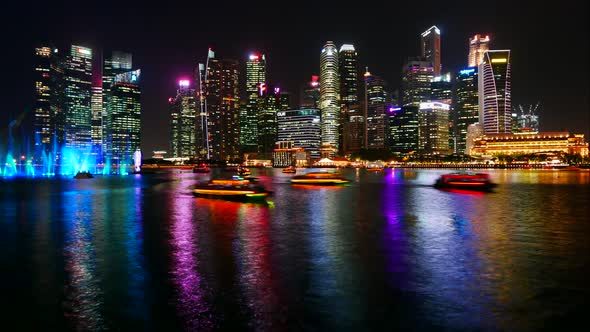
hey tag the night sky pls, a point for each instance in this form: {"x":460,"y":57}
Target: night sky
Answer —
{"x":549,"y":45}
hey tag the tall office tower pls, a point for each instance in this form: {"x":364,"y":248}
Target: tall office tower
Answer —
{"x":221,"y":91}
{"x":77,"y":98}
{"x":303,"y":128}
{"x":97,"y":133}
{"x":183,"y":110}
{"x":255,"y":76}
{"x":113,"y":64}
{"x":528,"y":118}
{"x":430,"y":46}
{"x":124,"y":130}
{"x":270,"y":104}
{"x":45,"y":89}
{"x":377,"y":103}
{"x":442,"y":91}
{"x":349,"y":95}
{"x":466,"y":106}
{"x":330,"y":97}
{"x":310,"y":96}
{"x":433,"y":128}
{"x":495,"y":106}
{"x":417,"y":76}
{"x":478,"y":45}
{"x":403,"y":128}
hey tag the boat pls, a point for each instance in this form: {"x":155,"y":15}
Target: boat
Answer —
{"x":320,"y":178}
{"x":233,"y":188}
{"x":243,"y":171}
{"x":374,"y":169}
{"x":83,"y":175}
{"x":465,"y":180}
{"x":201,"y":169}
{"x":290,"y":169}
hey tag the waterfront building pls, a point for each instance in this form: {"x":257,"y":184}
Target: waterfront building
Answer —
{"x":255,"y":77}
{"x":495,"y":108}
{"x":478,"y":45}
{"x":349,"y":97}
{"x":474,"y":131}
{"x":403,"y":128}
{"x":221,"y":91}
{"x":430,"y":47}
{"x":77,"y":98}
{"x":417,"y":76}
{"x":530,"y":143}
{"x":97,"y":133}
{"x":183,"y":109}
{"x":123,"y":135}
{"x":330,"y":97}
{"x":466,"y":106}
{"x":377,"y":104}
{"x":287,"y":154}
{"x":442,"y":91}
{"x":47,"y":107}
{"x":303,"y":128}
{"x":433,"y":128}
{"x":270,"y":103}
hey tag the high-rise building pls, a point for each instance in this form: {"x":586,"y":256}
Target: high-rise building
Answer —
{"x":303,"y":128}
{"x":377,"y":104}
{"x":270,"y":104}
{"x":330,"y":97}
{"x":527,"y":118}
{"x":222,"y":96}
{"x":403,"y":129}
{"x":77,"y":98}
{"x":478,"y":45}
{"x":433,"y":128}
{"x":45,"y":90}
{"x":97,"y":122}
{"x":430,"y":47}
{"x":417,"y":76}
{"x":349,"y":96}
{"x":442,"y":91}
{"x":495,"y":106}
{"x":310,"y":94}
{"x":255,"y":76}
{"x":466,"y":106}
{"x":123,"y":135}
{"x":183,"y":110}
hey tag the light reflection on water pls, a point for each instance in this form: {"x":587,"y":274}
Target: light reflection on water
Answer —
{"x":141,"y":253}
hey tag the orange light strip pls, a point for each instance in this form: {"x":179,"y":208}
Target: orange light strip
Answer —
{"x":318,"y":181}
{"x":224,"y":192}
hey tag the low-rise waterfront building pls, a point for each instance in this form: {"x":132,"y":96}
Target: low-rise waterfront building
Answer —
{"x":530,"y":143}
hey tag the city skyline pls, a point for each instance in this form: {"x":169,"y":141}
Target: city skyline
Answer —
{"x":562,"y":107}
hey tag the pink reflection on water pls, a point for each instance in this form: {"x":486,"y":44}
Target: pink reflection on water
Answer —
{"x":191,"y":293}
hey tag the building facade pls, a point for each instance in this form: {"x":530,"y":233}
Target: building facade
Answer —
{"x":303,"y":128}
{"x":466,"y":106}
{"x":377,"y":104}
{"x":78,"y":98}
{"x":310,"y":94}
{"x":349,"y":97}
{"x":44,"y":117}
{"x":495,"y":106}
{"x":403,"y":129}
{"x":270,"y":104}
{"x":255,"y":77}
{"x":433,"y":128}
{"x":330,"y":96}
{"x":183,"y":110}
{"x":417,"y":76}
{"x":478,"y":45}
{"x":530,"y":143}
{"x":430,"y":47}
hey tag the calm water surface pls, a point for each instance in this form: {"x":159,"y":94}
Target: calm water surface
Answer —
{"x":388,"y":252}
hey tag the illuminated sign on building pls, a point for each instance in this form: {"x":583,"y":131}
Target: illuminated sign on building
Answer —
{"x":183,"y":83}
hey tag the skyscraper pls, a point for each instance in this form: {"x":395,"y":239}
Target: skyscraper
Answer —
{"x":430,"y":47}
{"x":77,"y":98}
{"x":45,"y":89}
{"x":310,"y":97}
{"x":270,"y":103}
{"x":302,"y":127}
{"x":478,"y":45}
{"x":330,"y":96}
{"x":403,"y":128}
{"x":417,"y":76}
{"x":124,"y":113}
{"x":433,"y":128}
{"x":183,"y":109}
{"x":222,"y":95}
{"x":255,"y":76}
{"x":442,"y":91}
{"x":97,"y":133}
{"x":349,"y":95}
{"x":377,"y":103}
{"x":466,"y":105}
{"x":495,"y":106}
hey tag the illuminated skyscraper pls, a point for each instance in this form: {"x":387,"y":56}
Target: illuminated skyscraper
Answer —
{"x":97,"y":122}
{"x":403,"y":128}
{"x":255,"y":76}
{"x":310,"y":97}
{"x":377,"y":103}
{"x":417,"y":76}
{"x":77,"y":98}
{"x":45,"y":80}
{"x":495,"y":107}
{"x":222,"y":95}
{"x":349,"y":96}
{"x":478,"y":45}
{"x":183,"y":110}
{"x":330,"y":96}
{"x":433,"y":128}
{"x":430,"y":47}
{"x":303,"y":128}
{"x":466,"y":105}
{"x":123,"y":135}
{"x":270,"y":103}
